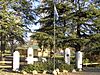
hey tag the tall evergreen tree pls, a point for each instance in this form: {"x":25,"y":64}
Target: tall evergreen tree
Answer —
{"x":46,"y":13}
{"x":78,"y":21}
{"x":10,"y":26}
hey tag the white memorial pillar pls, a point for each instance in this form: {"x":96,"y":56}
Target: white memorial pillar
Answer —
{"x":79,"y":60}
{"x":16,"y":61}
{"x":29,"y":58}
{"x":67,"y":56}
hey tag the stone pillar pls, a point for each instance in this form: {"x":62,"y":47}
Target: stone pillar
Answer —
{"x":79,"y":60}
{"x":67,"y":56}
{"x":29,"y":58}
{"x":16,"y":61}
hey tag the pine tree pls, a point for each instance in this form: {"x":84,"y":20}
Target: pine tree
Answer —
{"x":77,"y":26}
{"x":10,"y":26}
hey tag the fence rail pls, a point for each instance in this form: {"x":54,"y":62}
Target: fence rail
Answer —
{"x":90,"y":64}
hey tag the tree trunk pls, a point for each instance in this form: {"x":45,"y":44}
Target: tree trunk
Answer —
{"x":12,"y":47}
{"x":78,"y":46}
{"x":3,"y":43}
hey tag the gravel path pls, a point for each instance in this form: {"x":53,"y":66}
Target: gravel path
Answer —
{"x":86,"y":71}
{"x":77,"y":73}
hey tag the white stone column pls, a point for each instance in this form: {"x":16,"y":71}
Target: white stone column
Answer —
{"x":67,"y":56}
{"x":29,"y":58}
{"x":79,"y":60}
{"x":16,"y":61}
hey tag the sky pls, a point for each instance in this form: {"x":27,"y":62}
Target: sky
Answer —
{"x":33,"y":27}
{"x":35,"y":4}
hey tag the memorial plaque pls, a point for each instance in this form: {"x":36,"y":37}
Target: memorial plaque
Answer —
{"x":16,"y":61}
{"x":67,"y":56}
{"x":29,"y":58}
{"x":79,"y":59}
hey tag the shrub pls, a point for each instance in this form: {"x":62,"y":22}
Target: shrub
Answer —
{"x":65,"y":66}
{"x":38,"y":66}
{"x":28,"y":68}
{"x":49,"y":66}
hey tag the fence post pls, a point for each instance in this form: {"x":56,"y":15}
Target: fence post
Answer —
{"x":16,"y":61}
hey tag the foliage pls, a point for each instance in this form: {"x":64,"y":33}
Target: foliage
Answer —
{"x":49,"y":66}
{"x":77,"y":24}
{"x":14,"y":17}
{"x":28,"y":68}
{"x":44,"y":40}
{"x":11,"y":29}
{"x":86,"y":60}
{"x":26,"y":10}
{"x":64,"y":66}
{"x":38,"y":66}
